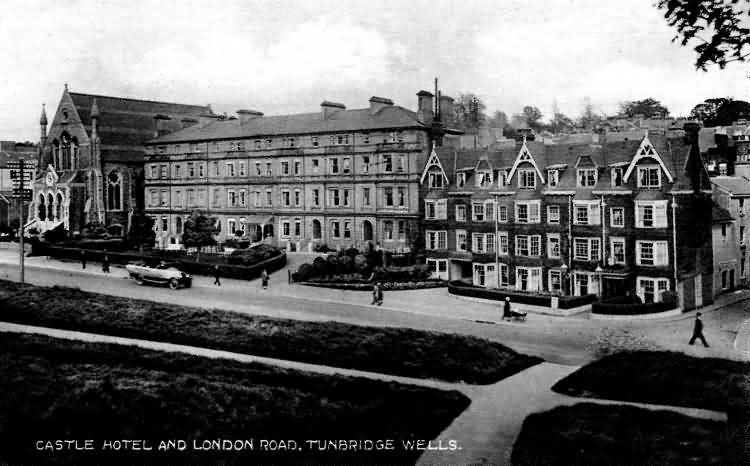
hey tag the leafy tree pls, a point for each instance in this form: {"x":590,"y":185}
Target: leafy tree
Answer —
{"x":561,"y":123}
{"x":141,"y":230}
{"x":649,"y":108}
{"x":532,"y":115}
{"x":721,"y":111}
{"x":199,"y":231}
{"x":715,"y":26}
{"x":589,"y":118}
{"x":468,"y":112}
{"x":498,"y":120}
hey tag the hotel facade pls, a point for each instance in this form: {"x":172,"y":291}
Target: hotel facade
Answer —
{"x":604,"y":218}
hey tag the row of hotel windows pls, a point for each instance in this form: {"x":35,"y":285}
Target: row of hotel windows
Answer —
{"x":648,"y":214}
{"x":392,"y":230}
{"x":336,"y":166}
{"x":584,"y":249}
{"x":291,"y":142}
{"x":530,"y":279}
{"x":649,"y":177}
{"x":337,"y":197}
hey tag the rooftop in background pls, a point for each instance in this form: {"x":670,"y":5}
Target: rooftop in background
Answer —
{"x":11,"y":151}
{"x":720,"y":215}
{"x":736,"y":185}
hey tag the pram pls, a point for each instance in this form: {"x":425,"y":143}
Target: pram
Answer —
{"x":513,"y":315}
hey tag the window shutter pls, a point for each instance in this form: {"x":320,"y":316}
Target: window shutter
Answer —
{"x":661,"y":253}
{"x":594,"y":217}
{"x":660,"y":214}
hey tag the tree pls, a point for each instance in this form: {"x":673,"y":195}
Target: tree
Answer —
{"x":721,"y":20}
{"x":720,"y":111}
{"x":141,"y":230}
{"x":649,"y":108}
{"x":532,"y":115}
{"x":498,"y":120}
{"x":199,"y":231}
{"x":589,"y":118}
{"x":561,"y":123}
{"x":468,"y":112}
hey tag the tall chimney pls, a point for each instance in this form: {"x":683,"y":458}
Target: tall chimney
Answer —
{"x":425,"y":113}
{"x":329,"y":108}
{"x":376,"y":103}
{"x":246,"y":115}
{"x":446,"y":109}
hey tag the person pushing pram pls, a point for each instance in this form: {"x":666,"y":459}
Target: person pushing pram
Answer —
{"x":509,"y":314}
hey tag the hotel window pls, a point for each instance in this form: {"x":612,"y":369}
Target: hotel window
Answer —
{"x":333,"y":197}
{"x":388,"y":230}
{"x":461,"y":179}
{"x":502,"y":178}
{"x":269,"y":198}
{"x":617,"y":250}
{"x":285,"y":168}
{"x":154,"y":197}
{"x":256,"y":200}
{"x":388,"y":196}
{"x":484,"y":179}
{"x":402,"y":197}
{"x":164,"y":196}
{"x":434,"y":180}
{"x":178,"y":198}
{"x":483,"y":243}
{"x":436,"y":239}
{"x":231,"y":199}
{"x":553,"y":245}
{"x":164,"y":224}
{"x":650,"y":289}
{"x":297,"y":168}
{"x":366,"y":197}
{"x":553,"y":178}
{"x":527,"y":179}
{"x":553,"y":214}
{"x":285,"y":198}
{"x":285,"y":230}
{"x":436,"y":209}
{"x":529,"y":246}
{"x":460,"y":240}
{"x":333,"y":163}
{"x":587,"y":177}
{"x":503,"y":245}
{"x":163,"y":171}
{"x":152,"y":171}
{"x":402,"y":163}
{"x":502,"y":214}
{"x":586,"y":213}
{"x":649,"y":177}
{"x":315,"y":165}
{"x":258,"y":170}
{"x":477,"y":212}
{"x":231,"y":226}
{"x":366,"y":138}
{"x":229,"y":169}
{"x":297,"y":228}
{"x":242,"y":168}
{"x":342,"y":139}
{"x":217,"y":198}
{"x":297,"y":197}
{"x":242,"y":197}
{"x":347,"y":197}
{"x":489,"y":210}
{"x":269,"y":169}
{"x":201,"y":170}
{"x":347,"y":230}
{"x":347,"y":165}
{"x":401,"y":230}
{"x":651,"y":214}
{"x":387,"y":163}
{"x":177,"y":171}
{"x":269,"y":143}
{"x":554,"y":282}
{"x":216,"y":168}
{"x":240,"y":146}
{"x":257,"y":144}
{"x":291,"y":142}
{"x":529,"y":278}
{"x":460,"y":213}
{"x":335,"y":230}
{"x":616,"y":177}
{"x":315,"y":141}
{"x":528,"y":211}
{"x":365,"y":164}
{"x":316,"y":197}
{"x":651,"y":253}
{"x":617,"y":217}
{"x":191,"y":169}
{"x":586,"y":249}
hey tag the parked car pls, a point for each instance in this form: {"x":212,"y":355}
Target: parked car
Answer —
{"x":163,"y":274}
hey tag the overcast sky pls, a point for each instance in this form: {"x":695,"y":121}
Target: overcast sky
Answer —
{"x":286,"y":57}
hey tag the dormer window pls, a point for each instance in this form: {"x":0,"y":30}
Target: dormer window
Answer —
{"x":527,"y":179}
{"x":649,"y":177}
{"x":484,"y":179}
{"x":435,"y":180}
{"x":553,"y":178}
{"x":616,"y":177}
{"x":587,"y":177}
{"x":461,"y":179}
{"x":502,"y":178}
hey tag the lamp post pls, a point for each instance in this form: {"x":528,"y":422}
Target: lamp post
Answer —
{"x":564,"y":273}
{"x":599,"y":280}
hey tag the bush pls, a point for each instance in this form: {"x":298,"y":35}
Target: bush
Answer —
{"x":320,"y":267}
{"x":322,"y":248}
{"x":351,"y":252}
{"x":304,"y":273}
{"x":535,"y":299}
{"x":55,"y":235}
{"x":360,"y":263}
{"x":252,"y":256}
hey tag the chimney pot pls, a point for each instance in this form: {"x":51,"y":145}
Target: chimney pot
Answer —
{"x":328,"y":108}
{"x":425,"y":112}
{"x":376,"y":103}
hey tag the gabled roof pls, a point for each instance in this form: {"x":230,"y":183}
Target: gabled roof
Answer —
{"x":524,"y":155}
{"x":389,"y":117}
{"x":646,"y":150}
{"x":433,"y":161}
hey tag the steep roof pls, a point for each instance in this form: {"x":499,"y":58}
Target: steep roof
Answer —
{"x":736,"y":185}
{"x":302,"y":123}
{"x":720,"y":214}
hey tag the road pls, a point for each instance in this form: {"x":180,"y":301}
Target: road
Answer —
{"x":562,"y":344}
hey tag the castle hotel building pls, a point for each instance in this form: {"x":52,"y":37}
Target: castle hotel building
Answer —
{"x":608,"y":218}
{"x":339,"y":177}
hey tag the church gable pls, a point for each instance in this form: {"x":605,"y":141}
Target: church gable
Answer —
{"x":524,"y":156}
{"x":646,"y":151}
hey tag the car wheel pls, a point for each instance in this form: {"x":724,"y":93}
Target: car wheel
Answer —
{"x":173,"y":283}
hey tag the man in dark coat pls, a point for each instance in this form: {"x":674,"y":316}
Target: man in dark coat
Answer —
{"x":507,"y":313}
{"x":83,"y":259}
{"x":698,"y":330}
{"x":217,"y":275}
{"x":105,"y":262}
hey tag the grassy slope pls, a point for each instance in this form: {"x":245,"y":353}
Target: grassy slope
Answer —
{"x":399,"y":351}
{"x":58,"y":389}
{"x":590,"y":434}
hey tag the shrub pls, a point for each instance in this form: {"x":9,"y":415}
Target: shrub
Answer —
{"x":55,"y":235}
{"x":346,"y":264}
{"x":360,"y":263}
{"x":320,"y":267}
{"x":351,"y":252}
{"x":252,"y":256}
{"x":321,"y":248}
{"x":304,"y":273}
{"x":333,"y":264}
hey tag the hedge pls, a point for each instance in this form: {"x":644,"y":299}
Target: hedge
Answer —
{"x":631,"y":309}
{"x":188,"y":265}
{"x":387,"y":286}
{"x":564,"y":302}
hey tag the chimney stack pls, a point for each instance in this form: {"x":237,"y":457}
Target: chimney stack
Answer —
{"x":205,"y":119}
{"x":247,"y":115}
{"x":376,"y":103}
{"x":329,"y":108}
{"x":425,"y":113}
{"x":446,"y":109}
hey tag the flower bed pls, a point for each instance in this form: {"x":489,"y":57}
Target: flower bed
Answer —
{"x":535,"y":299}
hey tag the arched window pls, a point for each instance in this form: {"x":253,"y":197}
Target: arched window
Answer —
{"x":50,"y":207}
{"x":55,"y":153}
{"x":114,"y":191}
{"x":65,"y":151}
{"x":74,"y":154}
{"x":59,"y":206}
{"x":42,"y":208}
{"x":178,"y":225}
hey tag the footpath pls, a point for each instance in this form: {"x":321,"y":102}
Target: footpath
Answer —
{"x":485,"y":431}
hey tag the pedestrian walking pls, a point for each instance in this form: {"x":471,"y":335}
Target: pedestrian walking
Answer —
{"x":105,"y":262}
{"x":264,"y":279}
{"x":375,"y":293}
{"x":507,"y":313}
{"x":698,"y":331}
{"x":83,"y":259}
{"x":217,"y":275}
{"x":380,"y":294}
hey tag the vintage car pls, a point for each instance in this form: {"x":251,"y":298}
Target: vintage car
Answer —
{"x":162,"y":274}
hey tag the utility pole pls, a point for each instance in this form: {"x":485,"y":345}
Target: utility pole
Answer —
{"x":21,"y":194}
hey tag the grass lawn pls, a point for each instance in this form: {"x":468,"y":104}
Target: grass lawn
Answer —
{"x":398,"y":351}
{"x":657,"y":377}
{"x":590,"y":434}
{"x":58,"y":389}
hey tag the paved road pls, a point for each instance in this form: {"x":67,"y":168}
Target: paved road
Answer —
{"x":546,"y":341}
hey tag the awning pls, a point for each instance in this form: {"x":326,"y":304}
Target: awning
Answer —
{"x":258,"y":220}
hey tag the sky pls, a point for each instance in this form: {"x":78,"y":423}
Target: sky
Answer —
{"x":283,"y":57}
